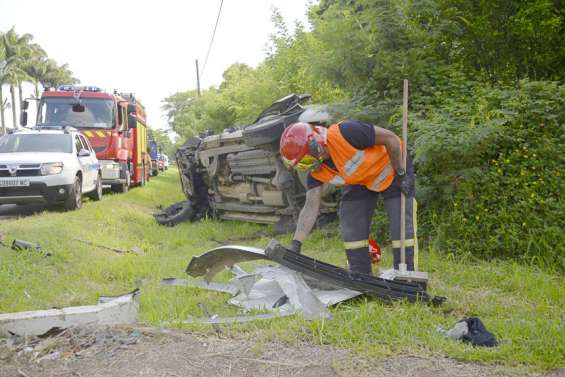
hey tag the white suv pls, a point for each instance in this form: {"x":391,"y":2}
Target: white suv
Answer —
{"x":48,"y":165}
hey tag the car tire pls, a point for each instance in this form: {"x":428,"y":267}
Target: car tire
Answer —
{"x":74,"y":201}
{"x":143,"y":177}
{"x":96,"y":195}
{"x":123,"y":187}
{"x":268,"y":131}
{"x":176,"y":213}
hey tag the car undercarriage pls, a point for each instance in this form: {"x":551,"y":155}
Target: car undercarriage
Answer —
{"x":239,"y":175}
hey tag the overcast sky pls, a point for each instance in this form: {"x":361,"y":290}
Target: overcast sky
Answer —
{"x":148,"y":47}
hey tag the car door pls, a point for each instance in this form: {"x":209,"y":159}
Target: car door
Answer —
{"x":94,"y":165}
{"x":85,"y":164}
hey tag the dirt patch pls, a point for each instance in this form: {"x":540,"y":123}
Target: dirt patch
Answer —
{"x":142,"y":351}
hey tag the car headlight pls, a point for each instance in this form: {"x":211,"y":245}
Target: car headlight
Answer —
{"x":51,"y":168}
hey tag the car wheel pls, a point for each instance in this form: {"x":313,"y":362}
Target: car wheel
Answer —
{"x":96,"y":195}
{"x":74,"y":201}
{"x":268,"y":131}
{"x":177,"y":213}
{"x":123,"y":187}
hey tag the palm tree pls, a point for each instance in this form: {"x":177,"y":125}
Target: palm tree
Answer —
{"x":36,"y":67}
{"x":16,"y":46}
{"x":3,"y":64}
{"x":21,"y":60}
{"x":32,"y":64}
{"x":55,"y":75}
{"x":65,"y":75}
{"x":7,"y":65}
{"x":45,"y":72}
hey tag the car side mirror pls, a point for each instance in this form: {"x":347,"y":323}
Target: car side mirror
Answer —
{"x":84,"y":153}
{"x":23,"y":118}
{"x":132,"y":121}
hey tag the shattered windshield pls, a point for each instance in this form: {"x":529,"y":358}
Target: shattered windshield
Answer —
{"x":98,"y":113}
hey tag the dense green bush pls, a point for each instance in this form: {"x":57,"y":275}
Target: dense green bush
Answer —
{"x":491,"y":168}
{"x":488,"y":146}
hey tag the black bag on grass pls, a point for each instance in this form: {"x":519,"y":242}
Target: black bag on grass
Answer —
{"x":478,"y":335}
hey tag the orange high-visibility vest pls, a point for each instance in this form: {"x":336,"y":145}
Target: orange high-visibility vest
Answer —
{"x":369,"y":167}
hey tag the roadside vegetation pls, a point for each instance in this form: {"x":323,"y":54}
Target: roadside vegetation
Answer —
{"x":522,"y":305}
{"x":487,"y":108}
{"x":487,"y":115}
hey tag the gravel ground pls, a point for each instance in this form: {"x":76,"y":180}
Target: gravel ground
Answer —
{"x":144,"y":351}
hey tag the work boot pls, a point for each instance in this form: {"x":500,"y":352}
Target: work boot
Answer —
{"x":359,"y":260}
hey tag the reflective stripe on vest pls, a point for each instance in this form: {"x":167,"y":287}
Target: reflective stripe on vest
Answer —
{"x":369,"y":167}
{"x":381,"y":177}
{"x":353,"y":164}
{"x":337,"y":180}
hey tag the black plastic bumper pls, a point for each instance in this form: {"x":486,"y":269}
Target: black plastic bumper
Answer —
{"x":367,"y":284}
{"x":34,"y":193}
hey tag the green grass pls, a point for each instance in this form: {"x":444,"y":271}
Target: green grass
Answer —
{"x":523,"y":306}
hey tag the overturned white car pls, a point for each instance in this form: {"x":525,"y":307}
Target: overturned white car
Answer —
{"x":238,"y":174}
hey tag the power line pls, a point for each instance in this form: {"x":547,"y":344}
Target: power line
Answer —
{"x":212,"y":40}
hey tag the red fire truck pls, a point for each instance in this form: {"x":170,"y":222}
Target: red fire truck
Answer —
{"x":115,"y":125}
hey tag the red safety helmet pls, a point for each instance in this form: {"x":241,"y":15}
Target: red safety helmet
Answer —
{"x":301,"y":146}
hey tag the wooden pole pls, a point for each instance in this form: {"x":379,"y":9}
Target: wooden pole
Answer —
{"x":402,"y":265}
{"x":197,"y":78}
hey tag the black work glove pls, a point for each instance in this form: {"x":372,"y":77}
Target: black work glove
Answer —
{"x":296,"y":246}
{"x":406,"y":184}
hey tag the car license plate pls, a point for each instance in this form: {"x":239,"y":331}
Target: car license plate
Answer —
{"x":14,"y":182}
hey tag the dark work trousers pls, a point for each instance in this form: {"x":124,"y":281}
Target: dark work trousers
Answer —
{"x":356,"y":212}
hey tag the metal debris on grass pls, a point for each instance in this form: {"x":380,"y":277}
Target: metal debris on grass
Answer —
{"x":275,"y":289}
{"x":109,"y":311}
{"x":217,"y":259}
{"x":298,"y":284}
{"x":19,"y":245}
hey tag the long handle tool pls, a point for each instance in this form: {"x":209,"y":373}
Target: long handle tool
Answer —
{"x":403,"y":273}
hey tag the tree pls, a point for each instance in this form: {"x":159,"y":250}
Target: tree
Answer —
{"x":506,"y":39}
{"x":34,"y":66}
{"x":21,"y":60}
{"x":7,"y":65}
{"x":175,"y":106}
{"x":53,"y":75}
{"x":17,"y":46}
{"x":163,"y":141}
